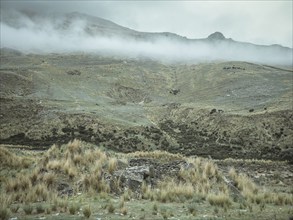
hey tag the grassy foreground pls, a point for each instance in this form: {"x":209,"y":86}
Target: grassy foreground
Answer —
{"x":78,"y":180}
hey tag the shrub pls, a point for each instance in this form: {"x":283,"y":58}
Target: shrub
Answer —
{"x":48,"y":211}
{"x":4,"y":212}
{"x":63,"y":205}
{"x":87,"y":211}
{"x":192,"y":208}
{"x":73,"y":208}
{"x":155,"y":207}
{"x":14,"y":208}
{"x":123,"y":210}
{"x":54,"y":207}
{"x":28,"y":209}
{"x":111,"y":208}
{"x":40,"y":209}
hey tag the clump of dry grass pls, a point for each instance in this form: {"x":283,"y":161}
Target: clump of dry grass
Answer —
{"x":75,"y":147}
{"x":21,"y":183}
{"x":10,"y":160}
{"x":243,"y":183}
{"x":253,"y":194}
{"x":38,"y":193}
{"x":196,"y":179}
{"x":67,"y":161}
{"x":49,"y":179}
{"x":221,"y":199}
{"x":210,"y":170}
{"x":172,"y":191}
{"x":112,"y":165}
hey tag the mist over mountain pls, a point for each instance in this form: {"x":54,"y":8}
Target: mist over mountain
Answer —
{"x":75,"y":32}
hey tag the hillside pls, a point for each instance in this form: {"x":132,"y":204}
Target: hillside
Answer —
{"x":221,"y":109}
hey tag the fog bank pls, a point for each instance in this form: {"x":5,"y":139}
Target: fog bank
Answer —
{"x":76,"y":32}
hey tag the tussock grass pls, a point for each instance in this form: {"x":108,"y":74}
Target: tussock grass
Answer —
{"x":21,"y":183}
{"x":253,"y":194}
{"x":49,"y":179}
{"x":9,"y":159}
{"x":171,"y":191}
{"x":74,"y":147}
{"x":221,"y":199}
{"x":112,"y":165}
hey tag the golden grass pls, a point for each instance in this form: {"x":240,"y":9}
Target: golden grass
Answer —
{"x":112,"y":165}
{"x":49,"y":179}
{"x":221,"y":199}
{"x":9,"y":160}
{"x":253,"y":194}
{"x":75,"y":146}
{"x":86,"y":169}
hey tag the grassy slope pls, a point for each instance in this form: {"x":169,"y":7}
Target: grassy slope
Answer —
{"x":126,"y":105}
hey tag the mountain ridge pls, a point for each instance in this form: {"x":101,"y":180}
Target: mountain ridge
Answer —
{"x":102,"y":22}
{"x":78,"y":32}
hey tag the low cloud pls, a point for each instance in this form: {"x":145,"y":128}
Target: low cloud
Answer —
{"x":28,"y":32}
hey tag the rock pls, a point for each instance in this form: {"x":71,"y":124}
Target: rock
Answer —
{"x":174,"y":91}
{"x":133,"y":177}
{"x":73,"y":72}
{"x":64,"y":189}
{"x":213,"y":111}
{"x":287,"y":155}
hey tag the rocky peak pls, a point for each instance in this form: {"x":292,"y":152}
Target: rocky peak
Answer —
{"x":216,"y":36}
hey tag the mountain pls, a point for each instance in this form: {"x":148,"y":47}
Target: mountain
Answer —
{"x":81,"y":32}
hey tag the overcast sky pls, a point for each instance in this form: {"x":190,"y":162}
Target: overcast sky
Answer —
{"x":261,"y":22}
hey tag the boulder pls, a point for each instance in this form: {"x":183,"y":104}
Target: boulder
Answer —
{"x":133,"y":177}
